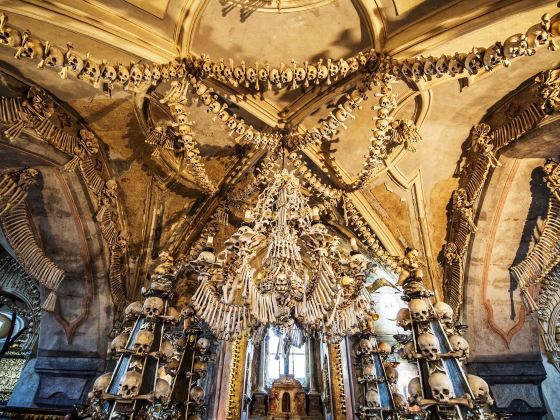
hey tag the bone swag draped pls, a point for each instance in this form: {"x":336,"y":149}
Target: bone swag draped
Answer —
{"x":283,"y":269}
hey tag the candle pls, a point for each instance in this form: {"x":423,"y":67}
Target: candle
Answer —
{"x":248,"y":215}
{"x":353,"y":244}
{"x":210,"y":241}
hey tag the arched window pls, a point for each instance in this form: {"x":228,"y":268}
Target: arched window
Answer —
{"x":297,"y":360}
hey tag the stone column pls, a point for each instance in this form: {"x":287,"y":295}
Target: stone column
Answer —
{"x":314,"y":396}
{"x":262,"y":366}
{"x":259,"y":396}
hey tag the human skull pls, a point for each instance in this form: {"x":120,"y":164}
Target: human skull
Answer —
{"x":322,"y":72}
{"x":515,"y":46}
{"x":372,"y":398}
{"x":441,"y":387}
{"x":442,"y":65}
{"x":409,"y":351}
{"x":251,"y":75}
{"x":536,"y":36}
{"x":156,"y":74}
{"x":311,"y":72}
{"x":91,"y":69}
{"x":178,"y":108}
{"x":239,"y":74}
{"x":403,"y":318}
{"x":75,"y":62}
{"x":419,"y":310}
{"x":474,"y":60}
{"x":414,"y":390}
{"x":215,"y":107}
{"x":263,"y":74}
{"x":162,"y":390}
{"x":430,"y":67}
{"x":123,"y":74}
{"x":418,"y":68}
{"x":287,"y":75}
{"x":275,"y":75}
{"x":165,"y":72}
{"x":102,"y":383}
{"x":456,"y":65}
{"x":203,"y":345}
{"x":480,"y":389}
{"x":428,"y":346}
{"x":166,"y":349}
{"x":31,"y":49}
{"x":333,"y":69}
{"x":153,"y":307}
{"x":143,"y":342}
{"x":384,"y":349}
{"x":196,"y":395}
{"x":300,"y":74}
{"x":344,"y":67}
{"x":10,"y":37}
{"x":365,"y":346}
{"x":493,"y":55}
{"x":119,"y":342}
{"x":108,"y":73}
{"x":136,"y":74}
{"x":173,"y":67}
{"x":444,"y":312}
{"x":400,"y":401}
{"x":183,"y":119}
{"x":207,"y":98}
{"x":353,"y":64}
{"x":391,"y":374}
{"x":200,"y":368}
{"x":130,"y":384}
{"x":459,"y":344}
{"x":55,"y":57}
{"x":147,"y":74}
{"x":133,"y":310}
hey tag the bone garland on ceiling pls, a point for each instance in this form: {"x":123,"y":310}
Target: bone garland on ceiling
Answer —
{"x":35,"y":112}
{"x":387,"y":134}
{"x":486,"y":142}
{"x":15,"y":222}
{"x":100,"y":73}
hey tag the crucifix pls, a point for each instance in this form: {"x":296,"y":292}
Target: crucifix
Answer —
{"x":284,"y":351}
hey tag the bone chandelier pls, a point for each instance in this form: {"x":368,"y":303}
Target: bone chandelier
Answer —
{"x":282,"y":268}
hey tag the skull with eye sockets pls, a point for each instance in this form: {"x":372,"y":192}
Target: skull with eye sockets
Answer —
{"x":123,"y":74}
{"x":153,"y":307}
{"x":130,"y":384}
{"x":441,"y":387}
{"x":428,"y":346}
{"x":143,"y":342}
